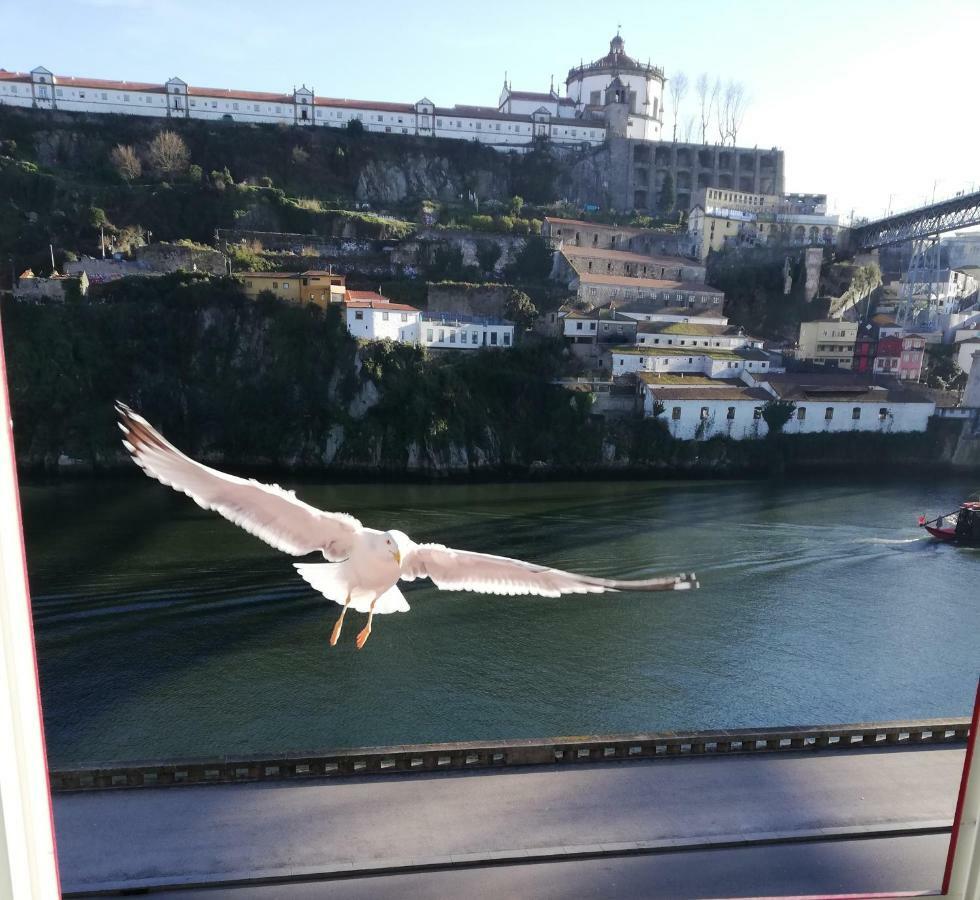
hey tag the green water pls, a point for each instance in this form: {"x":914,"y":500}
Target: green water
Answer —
{"x":163,"y":630}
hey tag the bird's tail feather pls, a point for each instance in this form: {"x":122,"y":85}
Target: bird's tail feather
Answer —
{"x":333,"y":581}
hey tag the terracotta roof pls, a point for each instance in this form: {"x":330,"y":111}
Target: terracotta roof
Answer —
{"x":372,"y":300}
{"x":144,"y":87}
{"x":844,"y":388}
{"x":653,"y":283}
{"x":364,"y":104}
{"x":543,"y":97}
{"x":232,"y":94}
{"x":14,"y":76}
{"x":626,"y":229}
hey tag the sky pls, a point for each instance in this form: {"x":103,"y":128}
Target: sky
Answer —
{"x":873,"y":101}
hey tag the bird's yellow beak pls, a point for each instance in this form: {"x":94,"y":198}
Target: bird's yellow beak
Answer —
{"x":398,"y":556}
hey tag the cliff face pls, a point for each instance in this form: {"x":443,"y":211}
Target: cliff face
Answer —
{"x":416,"y":176}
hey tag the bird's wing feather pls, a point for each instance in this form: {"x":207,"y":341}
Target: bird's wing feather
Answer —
{"x":462,"y":570}
{"x":264,"y":510}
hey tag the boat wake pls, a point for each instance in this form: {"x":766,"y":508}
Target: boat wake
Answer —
{"x":912,"y":540}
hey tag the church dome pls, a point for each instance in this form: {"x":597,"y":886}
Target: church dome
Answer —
{"x":615,"y":61}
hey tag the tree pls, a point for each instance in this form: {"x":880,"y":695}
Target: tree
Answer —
{"x":97,"y":217}
{"x":668,"y":196}
{"x":300,"y":156}
{"x":168,"y":154}
{"x":533,"y":263}
{"x":488,"y":253}
{"x":688,"y":134}
{"x":704,"y":104}
{"x":520,"y":309}
{"x":515,"y":205}
{"x":355,"y":126}
{"x":736,"y":110}
{"x":777,"y":413}
{"x":714,"y":106}
{"x":125,"y":161}
{"x":731,"y":111}
{"x":677,"y":87}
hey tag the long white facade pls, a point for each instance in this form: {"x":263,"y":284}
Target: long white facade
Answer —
{"x":175,"y":99}
{"x":613,"y":95}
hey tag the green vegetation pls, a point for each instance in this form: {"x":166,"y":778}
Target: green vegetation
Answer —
{"x":941,"y":368}
{"x":776,"y":413}
{"x":755,"y":297}
{"x":668,"y":197}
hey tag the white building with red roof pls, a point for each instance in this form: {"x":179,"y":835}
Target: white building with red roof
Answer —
{"x":615,"y":94}
{"x":371,"y":317}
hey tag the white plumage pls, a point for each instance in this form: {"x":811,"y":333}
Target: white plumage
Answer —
{"x":363,"y":564}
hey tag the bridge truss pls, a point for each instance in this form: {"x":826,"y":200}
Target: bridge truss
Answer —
{"x":916,"y":224}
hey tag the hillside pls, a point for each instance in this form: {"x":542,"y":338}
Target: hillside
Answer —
{"x":59,"y":183}
{"x":255,"y":385}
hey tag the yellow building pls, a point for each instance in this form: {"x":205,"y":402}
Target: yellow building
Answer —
{"x":722,"y":217}
{"x":828,"y":342}
{"x":320,"y":288}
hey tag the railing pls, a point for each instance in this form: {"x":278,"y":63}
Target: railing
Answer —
{"x":405,"y":759}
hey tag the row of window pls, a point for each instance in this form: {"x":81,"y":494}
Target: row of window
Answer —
{"x":385,"y":316}
{"x":255,"y":107}
{"x":474,"y":337}
{"x":681,"y":297}
{"x":883,"y":413}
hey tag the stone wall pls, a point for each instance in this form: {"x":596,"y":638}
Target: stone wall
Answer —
{"x":482,"y":300}
{"x":155,"y":259}
{"x":418,"y":250}
{"x":635,"y":181}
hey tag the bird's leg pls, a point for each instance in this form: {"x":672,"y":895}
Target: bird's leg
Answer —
{"x":335,"y":634}
{"x":366,"y":630}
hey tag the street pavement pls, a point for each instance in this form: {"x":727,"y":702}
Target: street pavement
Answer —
{"x":533,"y":831}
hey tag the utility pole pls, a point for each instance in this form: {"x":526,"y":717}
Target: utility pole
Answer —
{"x":102,"y":239}
{"x":51,"y":251}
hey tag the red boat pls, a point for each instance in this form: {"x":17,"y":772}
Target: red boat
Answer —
{"x":961,"y":527}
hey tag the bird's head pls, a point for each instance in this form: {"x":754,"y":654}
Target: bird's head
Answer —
{"x":398,"y":544}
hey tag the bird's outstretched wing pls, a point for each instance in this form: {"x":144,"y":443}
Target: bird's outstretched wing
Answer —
{"x":461,"y":570}
{"x":264,"y":510}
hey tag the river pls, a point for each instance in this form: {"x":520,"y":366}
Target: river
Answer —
{"x":164,"y":631}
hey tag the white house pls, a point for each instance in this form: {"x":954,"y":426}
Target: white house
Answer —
{"x":40,"y":89}
{"x":715,"y":363}
{"x":450,"y":331}
{"x":372,"y":317}
{"x":652,"y":311}
{"x":698,"y":411}
{"x":695,"y":407}
{"x":834,"y":403}
{"x":964,"y":352}
{"x":694,"y":334}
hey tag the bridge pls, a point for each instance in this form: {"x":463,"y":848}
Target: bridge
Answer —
{"x":916,"y":224}
{"x":840,"y":809}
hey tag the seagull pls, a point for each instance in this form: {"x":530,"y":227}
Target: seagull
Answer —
{"x":363,"y":565}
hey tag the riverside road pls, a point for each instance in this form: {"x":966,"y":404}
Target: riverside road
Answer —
{"x":864,"y":820}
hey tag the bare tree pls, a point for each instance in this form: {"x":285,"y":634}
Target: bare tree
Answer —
{"x":701,"y":86}
{"x":687,"y":135}
{"x":125,"y":161}
{"x":168,"y":154}
{"x":677,"y":87}
{"x":716,"y":106}
{"x":736,"y":110}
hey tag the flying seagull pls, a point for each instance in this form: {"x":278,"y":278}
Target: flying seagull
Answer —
{"x":363,"y":565}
